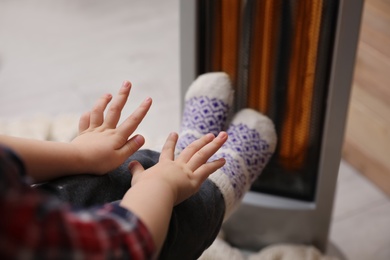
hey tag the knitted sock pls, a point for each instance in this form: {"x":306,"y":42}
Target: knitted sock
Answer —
{"x":206,"y":109}
{"x":251,"y":143}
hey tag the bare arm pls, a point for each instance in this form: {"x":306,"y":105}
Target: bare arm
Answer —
{"x":157,"y":190}
{"x":100,"y":147}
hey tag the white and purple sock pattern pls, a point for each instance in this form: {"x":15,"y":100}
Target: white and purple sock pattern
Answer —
{"x":202,"y":115}
{"x":234,"y":171}
{"x":253,"y":150}
{"x":250,"y":145}
{"x":206,"y":109}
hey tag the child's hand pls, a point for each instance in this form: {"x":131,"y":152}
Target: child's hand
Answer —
{"x":157,"y":190}
{"x":184,"y":175}
{"x":102,"y":145}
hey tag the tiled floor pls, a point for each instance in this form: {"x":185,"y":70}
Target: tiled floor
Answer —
{"x":57,"y":57}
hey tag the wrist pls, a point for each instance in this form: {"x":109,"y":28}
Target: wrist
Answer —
{"x":152,"y":202}
{"x":72,"y":160}
{"x":156,"y":188}
{"x":81,"y":162}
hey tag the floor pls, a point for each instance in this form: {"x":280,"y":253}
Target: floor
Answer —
{"x":57,"y":57}
{"x":367,"y":145}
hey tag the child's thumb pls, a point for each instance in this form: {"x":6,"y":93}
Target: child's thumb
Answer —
{"x":135,"y":168}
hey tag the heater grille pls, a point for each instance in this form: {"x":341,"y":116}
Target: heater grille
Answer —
{"x":278,"y":55}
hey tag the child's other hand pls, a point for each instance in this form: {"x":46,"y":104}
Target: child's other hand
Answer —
{"x":102,"y":146}
{"x":184,"y":175}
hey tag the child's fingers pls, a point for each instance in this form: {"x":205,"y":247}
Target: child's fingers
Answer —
{"x":131,"y":123}
{"x":114,"y":111}
{"x":132,"y":145}
{"x":84,"y":121}
{"x":135,"y":169}
{"x":201,"y":157}
{"x":168,"y":150}
{"x":205,"y":170}
{"x":97,"y":113}
{"x":194,"y":148}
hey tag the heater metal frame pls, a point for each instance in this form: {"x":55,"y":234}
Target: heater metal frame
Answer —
{"x":266,"y":219}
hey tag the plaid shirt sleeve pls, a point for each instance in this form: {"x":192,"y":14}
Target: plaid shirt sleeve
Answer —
{"x":34,"y":225}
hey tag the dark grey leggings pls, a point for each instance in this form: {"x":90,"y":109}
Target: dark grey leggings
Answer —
{"x":195,"y":222}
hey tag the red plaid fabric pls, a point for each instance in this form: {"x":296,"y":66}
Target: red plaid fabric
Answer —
{"x":34,"y":225}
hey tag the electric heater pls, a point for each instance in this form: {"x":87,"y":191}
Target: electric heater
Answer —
{"x":292,"y":60}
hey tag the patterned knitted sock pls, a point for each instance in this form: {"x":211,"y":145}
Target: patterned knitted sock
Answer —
{"x":207,"y":105}
{"x":251,"y":143}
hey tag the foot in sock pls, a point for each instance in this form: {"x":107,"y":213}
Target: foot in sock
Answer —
{"x":251,"y":143}
{"x":207,"y":105}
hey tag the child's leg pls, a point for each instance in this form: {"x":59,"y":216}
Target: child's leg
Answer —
{"x":194,"y":225}
{"x":251,"y":143}
{"x":88,"y":190}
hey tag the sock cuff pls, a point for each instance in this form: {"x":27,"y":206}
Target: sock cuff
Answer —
{"x":212,"y":85}
{"x":232,"y":179}
{"x":224,"y":185}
